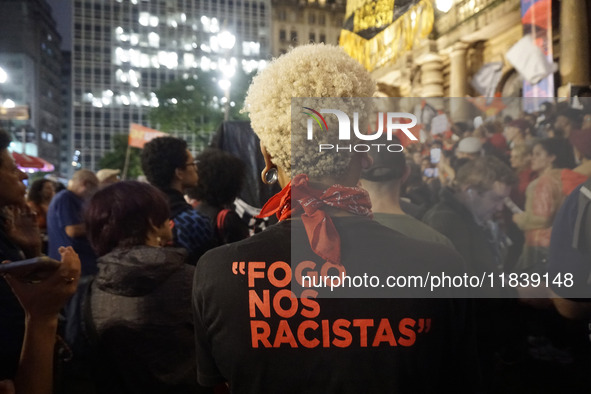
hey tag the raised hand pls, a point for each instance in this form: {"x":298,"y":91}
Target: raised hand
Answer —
{"x":44,"y":300}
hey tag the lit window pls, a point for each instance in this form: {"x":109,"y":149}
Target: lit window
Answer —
{"x":144,"y":18}
{"x":215,"y":27}
{"x":134,"y":78}
{"x":251,"y":48}
{"x":134,"y":57}
{"x":144,"y":60}
{"x":213,"y":43}
{"x":97,"y":102}
{"x":205,"y":63}
{"x":154,"y":40}
{"x":154,"y":61}
{"x":168,"y":59}
{"x":189,"y":60}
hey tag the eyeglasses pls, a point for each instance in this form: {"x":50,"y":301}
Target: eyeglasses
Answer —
{"x":193,"y":163}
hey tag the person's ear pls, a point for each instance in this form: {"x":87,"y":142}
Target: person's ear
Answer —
{"x":179,"y":173}
{"x":269,"y":165}
{"x":266,"y":157}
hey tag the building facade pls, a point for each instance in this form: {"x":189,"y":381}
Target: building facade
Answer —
{"x":124,"y":50}
{"x":474,"y":33}
{"x":31,"y":58}
{"x":297,"y":22}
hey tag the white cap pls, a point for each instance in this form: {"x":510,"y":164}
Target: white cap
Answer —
{"x":106,"y":173}
{"x":470,"y":145}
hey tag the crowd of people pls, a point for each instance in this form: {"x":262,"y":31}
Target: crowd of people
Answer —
{"x":172,"y":293}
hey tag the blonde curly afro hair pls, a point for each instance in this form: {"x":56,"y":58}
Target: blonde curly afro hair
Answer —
{"x":314,"y":70}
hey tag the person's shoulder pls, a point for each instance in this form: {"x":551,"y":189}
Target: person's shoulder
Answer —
{"x":425,"y":232}
{"x":393,"y":242}
{"x":59,"y":196}
{"x":442,"y":214}
{"x":64,"y":197}
{"x":272,"y":241}
{"x":189,"y":217}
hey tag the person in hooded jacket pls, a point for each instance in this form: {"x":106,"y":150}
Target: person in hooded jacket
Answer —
{"x":140,"y":300}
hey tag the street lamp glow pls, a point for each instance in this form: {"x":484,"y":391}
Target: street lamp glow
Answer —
{"x":224,"y":84}
{"x":227,"y":69}
{"x":444,"y":5}
{"x":226,"y":40}
{"x":3,"y":75}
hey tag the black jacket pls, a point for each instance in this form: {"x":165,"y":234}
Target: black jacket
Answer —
{"x":141,"y":307}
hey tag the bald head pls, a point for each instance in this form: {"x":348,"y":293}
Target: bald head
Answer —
{"x":83,"y":183}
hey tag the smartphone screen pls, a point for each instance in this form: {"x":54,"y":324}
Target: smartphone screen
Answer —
{"x":435,"y":155}
{"x":35,"y":269}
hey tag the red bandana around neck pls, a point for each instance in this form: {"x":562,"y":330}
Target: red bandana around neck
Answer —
{"x":322,"y":234}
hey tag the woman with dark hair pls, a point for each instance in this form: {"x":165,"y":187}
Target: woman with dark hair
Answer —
{"x":29,"y":310}
{"x":543,"y":197}
{"x":140,"y":298}
{"x":221,"y":176}
{"x":38,"y":199}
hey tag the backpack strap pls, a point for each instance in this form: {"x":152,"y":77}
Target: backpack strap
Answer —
{"x":219,"y":222}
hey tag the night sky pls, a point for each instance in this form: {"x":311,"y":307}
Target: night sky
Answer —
{"x":62,"y":13}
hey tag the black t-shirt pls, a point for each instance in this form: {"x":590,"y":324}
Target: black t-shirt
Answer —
{"x":252,"y":333}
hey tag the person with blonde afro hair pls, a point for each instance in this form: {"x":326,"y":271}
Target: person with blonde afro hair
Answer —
{"x":314,"y":70}
{"x":260,"y":326}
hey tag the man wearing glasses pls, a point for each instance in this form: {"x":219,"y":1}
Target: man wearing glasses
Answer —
{"x":170,"y":166}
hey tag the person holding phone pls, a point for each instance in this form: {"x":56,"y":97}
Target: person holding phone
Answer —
{"x":32,"y":329}
{"x":41,"y":303}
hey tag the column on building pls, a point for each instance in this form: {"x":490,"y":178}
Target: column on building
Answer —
{"x":574,"y":42}
{"x":459,"y":110}
{"x":431,"y":75}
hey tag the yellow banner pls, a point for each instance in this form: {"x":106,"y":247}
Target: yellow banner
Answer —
{"x":373,"y":15}
{"x":397,"y":38}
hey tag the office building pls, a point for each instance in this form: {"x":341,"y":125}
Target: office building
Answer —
{"x":30,"y":59}
{"x":297,"y":22}
{"x":124,"y":50}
